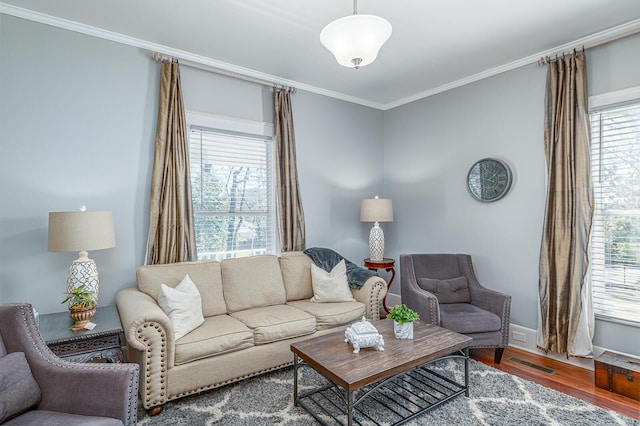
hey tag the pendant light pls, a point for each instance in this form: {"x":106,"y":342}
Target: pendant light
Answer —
{"x":355,"y":40}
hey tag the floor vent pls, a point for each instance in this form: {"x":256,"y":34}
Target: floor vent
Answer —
{"x":546,"y":370}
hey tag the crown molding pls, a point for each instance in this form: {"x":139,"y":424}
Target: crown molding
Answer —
{"x":592,"y":40}
{"x":176,"y":53}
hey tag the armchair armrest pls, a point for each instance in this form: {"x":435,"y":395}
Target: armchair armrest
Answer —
{"x":490,"y":300}
{"x":496,"y":302}
{"x":421,"y":301}
{"x":150,"y":340}
{"x":108,"y":390}
{"x":371,"y":294}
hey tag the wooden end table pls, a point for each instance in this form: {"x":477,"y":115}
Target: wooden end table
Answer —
{"x":389,"y":266}
{"x":104,"y":342}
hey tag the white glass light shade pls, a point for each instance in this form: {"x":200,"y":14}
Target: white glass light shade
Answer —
{"x":355,"y":40}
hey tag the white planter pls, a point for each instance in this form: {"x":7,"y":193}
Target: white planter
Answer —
{"x":403,"y":331}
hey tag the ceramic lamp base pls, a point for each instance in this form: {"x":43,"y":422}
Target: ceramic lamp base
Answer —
{"x":376,"y":243}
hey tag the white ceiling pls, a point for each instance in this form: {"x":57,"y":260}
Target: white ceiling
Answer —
{"x":434,"y":45}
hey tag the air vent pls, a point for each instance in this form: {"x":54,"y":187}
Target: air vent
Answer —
{"x":545,"y":370}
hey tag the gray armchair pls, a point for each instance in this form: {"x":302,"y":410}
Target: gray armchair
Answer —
{"x":444,"y":290}
{"x":38,"y":388}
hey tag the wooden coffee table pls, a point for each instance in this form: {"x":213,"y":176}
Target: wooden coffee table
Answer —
{"x":397,"y":378}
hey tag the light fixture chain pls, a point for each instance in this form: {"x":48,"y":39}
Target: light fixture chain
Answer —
{"x":355,"y":7}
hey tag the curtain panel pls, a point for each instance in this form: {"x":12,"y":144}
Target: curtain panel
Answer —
{"x":564,"y":289}
{"x":290,"y":212}
{"x":171,"y":228}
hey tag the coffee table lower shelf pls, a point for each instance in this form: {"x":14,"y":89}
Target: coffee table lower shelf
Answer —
{"x":397,"y":399}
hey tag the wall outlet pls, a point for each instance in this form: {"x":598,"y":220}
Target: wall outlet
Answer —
{"x":520,"y":337}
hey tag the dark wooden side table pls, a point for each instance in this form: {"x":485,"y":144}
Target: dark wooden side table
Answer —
{"x":104,"y":342}
{"x":387,"y":265}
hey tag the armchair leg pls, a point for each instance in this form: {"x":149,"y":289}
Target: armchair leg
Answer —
{"x":498,"y":355}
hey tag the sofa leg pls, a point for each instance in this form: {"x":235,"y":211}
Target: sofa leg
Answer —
{"x":154,"y":411}
{"x":498,"y":355}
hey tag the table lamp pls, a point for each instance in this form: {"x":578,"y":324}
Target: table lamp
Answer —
{"x":376,"y":210}
{"x":81,"y":231}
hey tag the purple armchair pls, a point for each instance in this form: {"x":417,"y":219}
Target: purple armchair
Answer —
{"x":444,"y":290}
{"x":38,"y":388}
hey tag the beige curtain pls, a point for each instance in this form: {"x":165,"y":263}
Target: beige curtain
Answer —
{"x":171,"y":232}
{"x":290,"y":213}
{"x":564,"y":254}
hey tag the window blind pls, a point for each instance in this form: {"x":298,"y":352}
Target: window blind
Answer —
{"x":232,"y":180}
{"x":615,"y":238}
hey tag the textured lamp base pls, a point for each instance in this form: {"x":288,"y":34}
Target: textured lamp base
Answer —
{"x":83,"y":272}
{"x":376,"y":243}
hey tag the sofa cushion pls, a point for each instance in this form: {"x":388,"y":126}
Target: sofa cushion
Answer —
{"x":330,"y":286}
{"x":329,"y":315}
{"x":252,"y":282}
{"x":217,"y":335}
{"x":466,"y":318}
{"x":296,"y":274}
{"x":204,"y":273}
{"x":18,"y":389}
{"x":452,"y":290}
{"x":183,"y":306}
{"x":54,"y":418}
{"x":278,"y":322}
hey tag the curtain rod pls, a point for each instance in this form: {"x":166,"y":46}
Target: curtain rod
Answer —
{"x":548,"y":59}
{"x":159,"y":57}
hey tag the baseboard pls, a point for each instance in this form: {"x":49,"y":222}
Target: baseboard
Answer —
{"x":525,"y":339}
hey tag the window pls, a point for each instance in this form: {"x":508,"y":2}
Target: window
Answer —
{"x":232,"y":192}
{"x":615,"y":239}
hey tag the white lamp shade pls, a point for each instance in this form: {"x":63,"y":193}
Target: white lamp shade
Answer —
{"x":81,"y":231}
{"x":356,"y":36}
{"x":376,"y":210}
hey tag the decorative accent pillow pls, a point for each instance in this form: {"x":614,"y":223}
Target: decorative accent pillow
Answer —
{"x":453,"y":290}
{"x":183,"y":306}
{"x":330,"y":286}
{"x":19,"y":391}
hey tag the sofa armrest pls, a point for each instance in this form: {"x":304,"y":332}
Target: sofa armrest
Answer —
{"x":371,"y":294}
{"x":151,"y":342}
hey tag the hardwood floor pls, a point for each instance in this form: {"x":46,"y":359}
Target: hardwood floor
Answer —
{"x":575,"y":381}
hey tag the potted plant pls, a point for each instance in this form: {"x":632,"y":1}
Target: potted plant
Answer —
{"x":82,"y":305}
{"x":403,"y":319}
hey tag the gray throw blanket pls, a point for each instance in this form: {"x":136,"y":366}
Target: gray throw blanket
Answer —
{"x":327,"y":259}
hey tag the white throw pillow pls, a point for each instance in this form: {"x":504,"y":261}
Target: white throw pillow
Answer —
{"x":183,"y":306}
{"x":330,"y":286}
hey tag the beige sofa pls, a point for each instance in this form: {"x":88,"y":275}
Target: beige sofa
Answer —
{"x":254,"y":308}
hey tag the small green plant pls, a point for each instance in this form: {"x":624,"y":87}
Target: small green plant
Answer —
{"x":80,"y":298}
{"x":401,"y":314}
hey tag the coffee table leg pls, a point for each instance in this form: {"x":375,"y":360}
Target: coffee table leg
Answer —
{"x":466,"y":372}
{"x":295,"y":380}
{"x":349,"y":408}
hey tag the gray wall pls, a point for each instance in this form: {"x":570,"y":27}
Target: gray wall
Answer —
{"x":77,"y":123}
{"x":431,"y":144}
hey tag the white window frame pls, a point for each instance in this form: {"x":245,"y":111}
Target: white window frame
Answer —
{"x":232,"y":125}
{"x":604,"y":102}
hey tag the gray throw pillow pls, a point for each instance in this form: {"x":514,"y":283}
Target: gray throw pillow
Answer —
{"x":453,"y":290}
{"x":18,"y":389}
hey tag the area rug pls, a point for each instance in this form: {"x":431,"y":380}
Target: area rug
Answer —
{"x":496,"y":398}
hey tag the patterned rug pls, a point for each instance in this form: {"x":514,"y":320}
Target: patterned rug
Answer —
{"x":496,"y":398}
